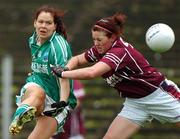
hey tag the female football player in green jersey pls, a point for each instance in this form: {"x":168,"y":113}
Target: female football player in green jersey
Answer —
{"x":45,"y":97}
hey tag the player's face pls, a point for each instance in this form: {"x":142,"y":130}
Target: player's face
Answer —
{"x":44,"y":26}
{"x":101,"y":41}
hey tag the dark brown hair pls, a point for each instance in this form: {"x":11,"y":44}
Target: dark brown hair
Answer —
{"x":57,"y":14}
{"x":111,"y":25}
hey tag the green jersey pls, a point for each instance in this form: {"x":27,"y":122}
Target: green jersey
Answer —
{"x":55,"y":51}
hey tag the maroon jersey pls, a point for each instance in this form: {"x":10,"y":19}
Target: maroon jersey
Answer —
{"x":131,"y":74}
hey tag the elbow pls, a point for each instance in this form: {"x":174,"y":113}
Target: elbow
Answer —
{"x":91,"y":75}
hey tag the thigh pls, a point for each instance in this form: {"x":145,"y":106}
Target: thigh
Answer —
{"x":35,"y":96}
{"x":44,"y":129}
{"x":121,"y":128}
{"x":136,"y":114}
{"x":33,"y":90}
{"x":165,"y":108}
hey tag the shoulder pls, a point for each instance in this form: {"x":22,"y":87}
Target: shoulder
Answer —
{"x":117,"y":49}
{"x":56,"y":38}
{"x":92,"y":54}
{"x":32,"y":39}
{"x":120,"y":47}
{"x":58,"y":42}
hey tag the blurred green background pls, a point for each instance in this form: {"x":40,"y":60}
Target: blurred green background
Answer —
{"x":102,"y":103}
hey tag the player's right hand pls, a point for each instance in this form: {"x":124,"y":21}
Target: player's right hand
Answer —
{"x":57,"y":70}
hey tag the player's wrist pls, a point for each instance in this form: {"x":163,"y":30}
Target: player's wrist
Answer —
{"x":62,"y":74}
{"x":66,"y":68}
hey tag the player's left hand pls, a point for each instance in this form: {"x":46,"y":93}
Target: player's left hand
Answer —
{"x":58,"y":108}
{"x":62,"y":117}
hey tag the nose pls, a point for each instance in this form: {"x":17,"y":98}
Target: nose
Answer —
{"x":96,"y":42}
{"x":43,"y":24}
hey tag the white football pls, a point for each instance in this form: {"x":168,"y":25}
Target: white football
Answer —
{"x":160,"y":37}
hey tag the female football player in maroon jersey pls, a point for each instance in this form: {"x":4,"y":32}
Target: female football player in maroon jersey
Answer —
{"x":148,"y":93}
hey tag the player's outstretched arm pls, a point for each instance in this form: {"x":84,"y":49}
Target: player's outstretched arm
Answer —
{"x":84,"y":73}
{"x":76,"y":61}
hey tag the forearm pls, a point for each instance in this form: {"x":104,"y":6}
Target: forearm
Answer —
{"x":83,"y":73}
{"x":65,"y":89}
{"x":76,"y":61}
{"x":73,"y":63}
{"x":60,"y":106}
{"x":96,"y":70}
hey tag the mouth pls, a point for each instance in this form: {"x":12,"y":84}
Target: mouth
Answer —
{"x":42,"y":31}
{"x":99,"y":50}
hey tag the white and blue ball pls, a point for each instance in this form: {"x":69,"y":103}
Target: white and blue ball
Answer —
{"x":160,"y":37}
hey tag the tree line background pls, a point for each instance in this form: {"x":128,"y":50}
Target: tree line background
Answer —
{"x":102,"y":103}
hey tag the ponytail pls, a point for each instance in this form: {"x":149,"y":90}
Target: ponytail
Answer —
{"x":60,"y":26}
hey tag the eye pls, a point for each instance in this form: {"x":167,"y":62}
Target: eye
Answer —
{"x":40,"y":21}
{"x":99,"y":40}
{"x":49,"y":22}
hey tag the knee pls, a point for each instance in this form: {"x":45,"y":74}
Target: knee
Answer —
{"x":40,"y":94}
{"x":108,"y":136}
{"x":37,"y":93}
{"x":34,"y":96}
{"x":38,"y":98}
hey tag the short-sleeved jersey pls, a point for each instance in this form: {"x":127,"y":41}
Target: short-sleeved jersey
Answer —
{"x":55,"y":51}
{"x":131,"y":74}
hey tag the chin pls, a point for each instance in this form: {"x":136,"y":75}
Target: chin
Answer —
{"x":101,"y":52}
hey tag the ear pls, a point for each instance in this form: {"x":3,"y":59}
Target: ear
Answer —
{"x":34,"y":23}
{"x":55,"y":26}
{"x":113,"y":37}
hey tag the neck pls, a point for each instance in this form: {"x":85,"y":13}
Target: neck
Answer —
{"x":40,"y":41}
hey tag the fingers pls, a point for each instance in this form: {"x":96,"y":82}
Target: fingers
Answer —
{"x":57,"y":70}
{"x":59,"y":107}
{"x":59,"y":104}
{"x":49,"y":113}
